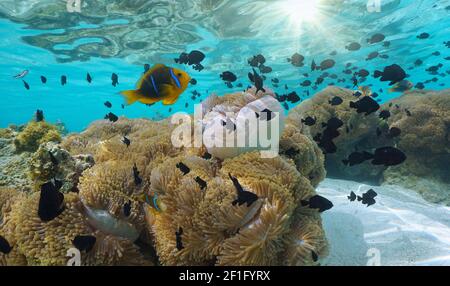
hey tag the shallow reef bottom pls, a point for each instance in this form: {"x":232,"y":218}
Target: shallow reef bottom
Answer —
{"x":400,"y":229}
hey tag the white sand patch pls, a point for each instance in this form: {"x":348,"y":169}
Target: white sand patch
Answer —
{"x":402,"y":228}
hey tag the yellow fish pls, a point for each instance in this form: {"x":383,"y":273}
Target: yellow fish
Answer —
{"x":153,"y":201}
{"x":366,"y":91}
{"x":402,"y":86}
{"x":160,"y":83}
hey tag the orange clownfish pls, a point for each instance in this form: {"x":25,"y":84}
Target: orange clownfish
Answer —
{"x":160,"y":83}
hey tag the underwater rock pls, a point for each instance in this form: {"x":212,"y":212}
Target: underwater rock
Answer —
{"x":424,"y":120}
{"x":357,"y":133}
{"x":50,"y":161}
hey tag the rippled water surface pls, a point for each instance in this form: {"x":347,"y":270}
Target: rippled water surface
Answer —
{"x":122,"y":35}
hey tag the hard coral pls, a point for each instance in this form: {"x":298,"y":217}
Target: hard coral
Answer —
{"x":35,"y":134}
{"x":357,"y":133}
{"x":424,"y":120}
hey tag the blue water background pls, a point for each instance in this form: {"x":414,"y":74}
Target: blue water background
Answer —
{"x":79,"y":103}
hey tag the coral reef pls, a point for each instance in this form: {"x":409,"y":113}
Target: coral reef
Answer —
{"x":50,"y":161}
{"x":421,"y":116}
{"x":107,"y":185}
{"x":14,"y":166}
{"x":424,"y":120}
{"x":217,"y":232}
{"x":34,"y":134}
{"x":357,"y":133}
{"x":46,"y":243}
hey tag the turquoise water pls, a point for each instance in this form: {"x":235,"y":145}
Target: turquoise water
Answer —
{"x":121,"y":36}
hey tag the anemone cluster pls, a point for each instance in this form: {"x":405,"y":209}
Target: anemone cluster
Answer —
{"x":144,"y":209}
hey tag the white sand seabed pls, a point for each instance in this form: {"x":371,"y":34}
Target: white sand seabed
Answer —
{"x":400,"y":229}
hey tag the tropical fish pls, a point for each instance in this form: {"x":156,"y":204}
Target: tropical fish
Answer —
{"x":318,"y":202}
{"x":393,"y":73}
{"x":84,"y":242}
{"x":137,"y":178}
{"x":333,"y":123}
{"x":26,"y":85}
{"x":297,"y":60}
{"x":352,"y":196}
{"x":366,"y":90}
{"x":257,"y":80}
{"x":376,"y":38}
{"x":423,"y":36}
{"x":5,"y":248}
{"x":357,"y":158}
{"x":88,"y":78}
{"x":243,"y":196}
{"x":178,"y":237}
{"x":39,"y":115}
{"x":257,"y":60}
{"x":183,"y":168}
{"x":353,"y":46}
{"x":201,"y":183}
{"x":368,"y":198}
{"x":385,"y":114}
{"x":126,"y":141}
{"x":153,"y":201}
{"x":336,"y":101}
{"x":160,"y":83}
{"x":388,"y":156}
{"x":22,"y":74}
{"x":293,"y":97}
{"x":114,"y":79}
{"x":127,"y":208}
{"x":402,"y":86}
{"x":365,"y":105}
{"x":309,"y":121}
{"x":228,"y":76}
{"x":51,"y":201}
{"x":111,"y":117}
